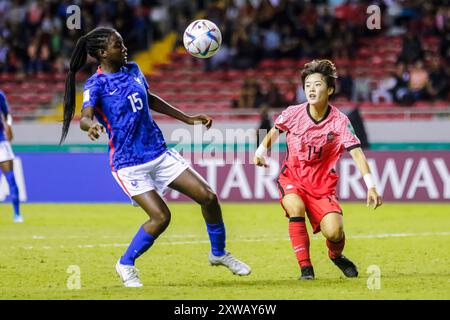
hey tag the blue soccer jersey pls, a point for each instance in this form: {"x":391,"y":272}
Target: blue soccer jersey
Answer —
{"x":4,"y":110}
{"x":121,"y":105}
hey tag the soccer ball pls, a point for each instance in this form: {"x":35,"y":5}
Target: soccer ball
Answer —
{"x":202,"y":39}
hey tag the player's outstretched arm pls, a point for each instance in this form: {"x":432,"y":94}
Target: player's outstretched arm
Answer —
{"x":88,"y":124}
{"x":265,"y":145}
{"x":159,"y":105}
{"x":373,"y":198}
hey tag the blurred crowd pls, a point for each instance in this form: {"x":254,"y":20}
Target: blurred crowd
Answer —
{"x":254,"y":30}
{"x":259,"y":29}
{"x":34,"y":36}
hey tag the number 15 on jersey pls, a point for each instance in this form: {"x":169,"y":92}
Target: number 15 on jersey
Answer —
{"x":135,"y":101}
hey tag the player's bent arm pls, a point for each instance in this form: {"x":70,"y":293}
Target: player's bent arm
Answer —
{"x":87,"y":118}
{"x":159,"y":105}
{"x":360,"y":160}
{"x":88,"y":124}
{"x":363,"y":166}
{"x":265,"y":145}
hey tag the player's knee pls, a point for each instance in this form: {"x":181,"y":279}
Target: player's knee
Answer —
{"x":336,"y":234}
{"x":296,"y":213}
{"x":162,"y":219}
{"x":209,"y":197}
{"x":295,"y":210}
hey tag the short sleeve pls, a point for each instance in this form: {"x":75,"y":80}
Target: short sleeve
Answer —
{"x":349,"y":138}
{"x":144,"y":80}
{"x":3,"y":104}
{"x":284,"y":121}
{"x":90,"y":94}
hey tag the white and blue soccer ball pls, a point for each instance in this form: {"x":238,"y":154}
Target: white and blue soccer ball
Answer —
{"x":202,"y":38}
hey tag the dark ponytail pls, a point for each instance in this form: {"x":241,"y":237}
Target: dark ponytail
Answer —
{"x":89,"y":43}
{"x":77,"y":61}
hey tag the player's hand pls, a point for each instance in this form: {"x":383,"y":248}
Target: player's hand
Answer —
{"x":95,"y":130}
{"x":203,"y":118}
{"x":374,"y":200}
{"x":260,"y":161}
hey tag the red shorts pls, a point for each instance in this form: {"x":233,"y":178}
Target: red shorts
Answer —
{"x":317,"y":207}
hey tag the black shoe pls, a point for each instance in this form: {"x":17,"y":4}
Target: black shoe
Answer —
{"x":307,"y":273}
{"x":347,"y":267}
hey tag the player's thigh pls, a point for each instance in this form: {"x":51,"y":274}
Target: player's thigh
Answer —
{"x":293,"y":205}
{"x":191,"y":184}
{"x":6,"y":166}
{"x":153,"y":205}
{"x":332,"y":226}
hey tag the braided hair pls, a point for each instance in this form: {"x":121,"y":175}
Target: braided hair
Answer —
{"x":90,"y":44}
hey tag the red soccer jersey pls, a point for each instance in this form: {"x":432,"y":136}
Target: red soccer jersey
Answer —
{"x":314,"y":147}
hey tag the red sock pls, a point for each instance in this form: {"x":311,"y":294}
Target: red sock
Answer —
{"x":300,"y":240}
{"x":335,"y":248}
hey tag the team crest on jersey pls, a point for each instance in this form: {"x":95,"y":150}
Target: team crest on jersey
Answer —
{"x":330,"y":136}
{"x":280,"y":119}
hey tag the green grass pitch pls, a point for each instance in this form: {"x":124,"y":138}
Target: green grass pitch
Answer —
{"x":407,"y":242}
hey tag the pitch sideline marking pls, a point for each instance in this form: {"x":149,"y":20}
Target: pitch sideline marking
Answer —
{"x":264,"y":239}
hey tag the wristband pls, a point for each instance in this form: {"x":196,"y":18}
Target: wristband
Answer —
{"x":369,"y":180}
{"x":9,"y":120}
{"x":261,"y":151}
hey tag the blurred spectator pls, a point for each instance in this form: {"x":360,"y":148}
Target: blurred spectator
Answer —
{"x":273,"y":97}
{"x":411,"y":49}
{"x":438,"y":85}
{"x":246,"y":52}
{"x":251,"y":95}
{"x":383,"y":92}
{"x":400,"y":91}
{"x":361,"y":90}
{"x":418,"y":81}
{"x":344,"y":84}
{"x":265,"y":124}
{"x":290,"y":96}
{"x":271,"y":42}
{"x":290,"y":43}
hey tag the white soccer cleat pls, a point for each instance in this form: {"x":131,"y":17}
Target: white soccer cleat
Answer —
{"x":237,"y":267}
{"x":129,"y":275}
{"x":18,"y":219}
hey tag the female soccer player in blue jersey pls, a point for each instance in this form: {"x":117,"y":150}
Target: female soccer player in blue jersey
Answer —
{"x":118,"y":96}
{"x":7,"y":156}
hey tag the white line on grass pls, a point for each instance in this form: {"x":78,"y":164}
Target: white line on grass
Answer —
{"x":259,"y":239}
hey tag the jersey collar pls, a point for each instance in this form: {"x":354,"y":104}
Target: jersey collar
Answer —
{"x":325,"y":116}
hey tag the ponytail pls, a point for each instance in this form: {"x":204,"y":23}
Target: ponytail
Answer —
{"x":77,"y":61}
{"x":87,"y":44}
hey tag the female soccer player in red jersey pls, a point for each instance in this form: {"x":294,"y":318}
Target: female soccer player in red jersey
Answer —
{"x":316,"y":135}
